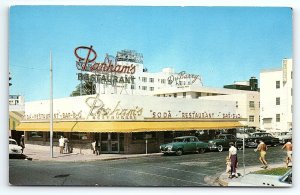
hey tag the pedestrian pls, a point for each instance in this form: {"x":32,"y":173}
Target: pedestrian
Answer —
{"x":233,"y":160}
{"x":262,"y":148}
{"x":22,"y":143}
{"x":289,"y":150}
{"x":93,"y":145}
{"x":61,"y":142}
{"x":97,"y":147}
{"x":66,"y":145}
{"x":228,"y":166}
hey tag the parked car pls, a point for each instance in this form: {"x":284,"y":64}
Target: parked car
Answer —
{"x":14,"y":150}
{"x":283,"y":136}
{"x":267,"y":138}
{"x":184,"y":144}
{"x":222,"y":141}
{"x":265,"y":180}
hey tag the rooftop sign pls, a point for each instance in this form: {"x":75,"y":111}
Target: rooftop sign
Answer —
{"x":109,"y":65}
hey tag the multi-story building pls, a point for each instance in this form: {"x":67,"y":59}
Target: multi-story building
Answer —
{"x":276,"y":92}
{"x":246,"y":102}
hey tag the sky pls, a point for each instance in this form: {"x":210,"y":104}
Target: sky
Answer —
{"x":221,"y":44}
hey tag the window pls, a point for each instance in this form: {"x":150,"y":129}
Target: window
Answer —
{"x":151,"y":80}
{"x":292,"y":75}
{"x":277,"y":84}
{"x":251,"y":118}
{"x":277,"y":117}
{"x":151,"y":88}
{"x":163,"y":81}
{"x":144,"y":79}
{"x":78,"y":136}
{"x":35,"y":134}
{"x":184,"y":94}
{"x":236,"y":104}
{"x":251,"y":104}
{"x":144,"y":87}
{"x":277,"y":100}
{"x":175,"y":95}
{"x":143,"y":135}
{"x":132,"y":87}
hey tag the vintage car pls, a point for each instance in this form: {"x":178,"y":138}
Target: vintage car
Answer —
{"x":184,"y":144}
{"x":14,"y":150}
{"x":267,"y":138}
{"x":222,"y":141}
{"x":259,"y":180}
{"x":283,"y":136}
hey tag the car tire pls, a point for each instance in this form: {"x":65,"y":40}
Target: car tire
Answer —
{"x":179,"y":152}
{"x":201,"y":150}
{"x":240,"y":147}
{"x":220,"y":148}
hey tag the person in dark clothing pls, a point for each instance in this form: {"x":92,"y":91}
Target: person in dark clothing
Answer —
{"x":22,"y":143}
{"x":97,"y":147}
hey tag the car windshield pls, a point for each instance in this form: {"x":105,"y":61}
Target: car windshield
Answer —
{"x":12,"y":142}
{"x":178,"y":140}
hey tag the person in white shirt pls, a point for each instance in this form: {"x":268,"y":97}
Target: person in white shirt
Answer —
{"x":61,"y":143}
{"x":233,"y":157}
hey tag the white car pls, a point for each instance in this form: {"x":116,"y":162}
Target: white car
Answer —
{"x":284,"y":137}
{"x":13,"y":148}
{"x":265,"y":180}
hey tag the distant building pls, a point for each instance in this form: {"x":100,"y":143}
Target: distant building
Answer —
{"x":276,"y":92}
{"x":16,"y":111}
{"x":251,"y":85}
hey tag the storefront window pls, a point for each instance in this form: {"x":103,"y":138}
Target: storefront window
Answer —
{"x":35,"y":135}
{"x":143,"y":135}
{"x":79,"y":136}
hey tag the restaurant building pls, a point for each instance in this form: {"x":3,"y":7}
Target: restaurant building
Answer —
{"x":125,"y":123}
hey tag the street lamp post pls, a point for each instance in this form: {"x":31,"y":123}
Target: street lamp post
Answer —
{"x":51,"y":106}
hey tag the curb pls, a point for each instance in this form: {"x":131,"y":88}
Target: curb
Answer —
{"x":35,"y":158}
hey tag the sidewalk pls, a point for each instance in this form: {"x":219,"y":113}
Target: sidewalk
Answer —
{"x":42,"y":153}
{"x":223,"y":179}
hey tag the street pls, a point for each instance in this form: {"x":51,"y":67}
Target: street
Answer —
{"x":185,"y":170}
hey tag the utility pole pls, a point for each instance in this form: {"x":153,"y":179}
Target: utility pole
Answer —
{"x":51,"y":106}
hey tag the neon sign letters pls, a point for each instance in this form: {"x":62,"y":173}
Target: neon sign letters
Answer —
{"x":109,"y":65}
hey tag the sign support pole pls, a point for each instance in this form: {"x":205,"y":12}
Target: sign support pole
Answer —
{"x":51,"y":106}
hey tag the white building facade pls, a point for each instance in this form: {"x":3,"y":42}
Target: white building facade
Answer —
{"x":246,"y":102}
{"x":276,"y":92}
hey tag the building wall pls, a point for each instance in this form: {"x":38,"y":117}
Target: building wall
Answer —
{"x":242,"y":102}
{"x":269,"y":93}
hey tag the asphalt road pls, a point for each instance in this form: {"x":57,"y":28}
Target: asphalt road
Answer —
{"x":185,"y":170}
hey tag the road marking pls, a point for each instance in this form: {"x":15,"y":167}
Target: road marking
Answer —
{"x":177,"y":170}
{"x":156,"y":175}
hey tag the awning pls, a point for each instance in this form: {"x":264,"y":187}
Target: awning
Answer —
{"x":14,"y":119}
{"x":127,"y":126}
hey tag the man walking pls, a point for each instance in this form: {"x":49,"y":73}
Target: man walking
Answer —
{"x":262,"y":148}
{"x":289,"y":148}
{"x":233,"y":157}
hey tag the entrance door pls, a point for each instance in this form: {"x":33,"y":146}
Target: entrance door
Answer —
{"x":110,"y":143}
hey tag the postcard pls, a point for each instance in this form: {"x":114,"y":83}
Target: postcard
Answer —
{"x":146,"y":96}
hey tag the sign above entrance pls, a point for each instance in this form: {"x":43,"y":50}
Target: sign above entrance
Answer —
{"x":86,"y":61}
